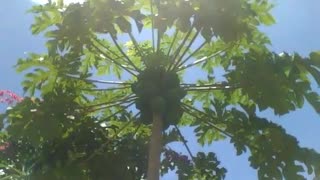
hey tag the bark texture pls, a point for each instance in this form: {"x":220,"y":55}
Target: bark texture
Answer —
{"x":155,"y":148}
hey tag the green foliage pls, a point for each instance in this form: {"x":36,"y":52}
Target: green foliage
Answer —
{"x":275,"y":154}
{"x":204,"y":166}
{"x":277,"y":81}
{"x":53,"y":138}
{"x":78,"y":127}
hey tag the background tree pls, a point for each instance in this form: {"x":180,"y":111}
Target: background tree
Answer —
{"x":86,"y":40}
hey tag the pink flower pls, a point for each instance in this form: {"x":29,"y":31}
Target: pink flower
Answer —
{"x":9,"y":97}
{"x":4,"y":146}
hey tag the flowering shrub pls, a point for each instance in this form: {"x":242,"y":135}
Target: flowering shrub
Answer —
{"x":4,"y":146}
{"x":9,"y":97}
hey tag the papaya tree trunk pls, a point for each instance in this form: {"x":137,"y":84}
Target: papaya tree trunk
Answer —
{"x":155,"y":148}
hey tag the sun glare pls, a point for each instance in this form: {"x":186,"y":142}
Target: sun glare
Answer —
{"x":65,"y":1}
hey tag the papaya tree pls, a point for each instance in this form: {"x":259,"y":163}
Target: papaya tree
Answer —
{"x":111,"y":93}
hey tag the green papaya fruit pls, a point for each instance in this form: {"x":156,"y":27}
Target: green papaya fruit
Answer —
{"x":173,"y":94}
{"x":139,"y":104}
{"x":171,"y":80}
{"x":158,"y":104}
{"x":173,"y":116}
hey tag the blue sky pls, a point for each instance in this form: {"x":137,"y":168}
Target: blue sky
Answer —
{"x":297,"y":30}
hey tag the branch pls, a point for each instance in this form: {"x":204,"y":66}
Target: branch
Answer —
{"x":207,"y":87}
{"x":112,"y":105}
{"x":189,"y":109}
{"x":185,"y":143}
{"x":115,"y":113}
{"x":107,"y":89}
{"x":123,"y":53}
{"x":100,"y":81}
{"x":204,"y":59}
{"x":113,"y":61}
{"x":127,"y":124}
{"x":186,"y":50}
{"x":110,"y":102}
{"x":104,"y":144}
{"x":135,"y":43}
{"x":135,"y":132}
{"x":158,"y":41}
{"x":172,"y":42}
{"x":152,"y":26}
{"x":122,"y":128}
{"x":177,"y":52}
{"x":112,"y":52}
{"x":119,"y":57}
{"x":192,"y":54}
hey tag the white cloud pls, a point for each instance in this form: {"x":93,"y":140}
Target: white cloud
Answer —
{"x":65,"y":1}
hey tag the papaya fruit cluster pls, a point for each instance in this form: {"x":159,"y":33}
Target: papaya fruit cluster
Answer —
{"x":159,"y":92}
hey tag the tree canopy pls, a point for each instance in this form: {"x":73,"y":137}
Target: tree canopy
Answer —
{"x":113,"y":66}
